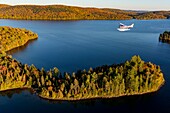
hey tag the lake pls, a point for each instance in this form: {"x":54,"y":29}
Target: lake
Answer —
{"x":74,"y":45}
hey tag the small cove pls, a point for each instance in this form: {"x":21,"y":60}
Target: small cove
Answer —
{"x":73,"y":45}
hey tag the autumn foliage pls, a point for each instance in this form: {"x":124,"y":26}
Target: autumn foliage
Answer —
{"x":165,"y":37}
{"x":61,"y":12}
{"x":14,"y":37}
{"x":130,"y":78}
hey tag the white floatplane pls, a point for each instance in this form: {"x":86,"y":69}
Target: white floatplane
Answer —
{"x":123,"y":27}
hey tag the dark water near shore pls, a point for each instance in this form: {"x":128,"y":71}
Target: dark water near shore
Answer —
{"x":73,"y":45}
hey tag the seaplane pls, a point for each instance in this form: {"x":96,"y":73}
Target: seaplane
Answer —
{"x":123,"y":27}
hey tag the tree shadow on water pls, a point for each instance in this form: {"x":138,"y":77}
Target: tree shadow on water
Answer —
{"x":10,"y":93}
{"x":21,"y":48}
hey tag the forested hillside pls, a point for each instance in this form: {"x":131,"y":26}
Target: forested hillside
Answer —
{"x":61,"y":12}
{"x":3,"y":5}
{"x":152,"y":15}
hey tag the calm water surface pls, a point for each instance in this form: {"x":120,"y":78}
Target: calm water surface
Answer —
{"x":73,"y":45}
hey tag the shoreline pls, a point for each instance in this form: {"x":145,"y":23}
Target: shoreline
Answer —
{"x":83,"y":98}
{"x":21,"y":44}
{"x":9,"y":89}
{"x":64,"y":19}
{"x":77,"y":19}
{"x":97,"y":97}
{"x":15,"y":37}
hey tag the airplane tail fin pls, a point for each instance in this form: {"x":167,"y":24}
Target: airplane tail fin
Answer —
{"x":131,"y":26}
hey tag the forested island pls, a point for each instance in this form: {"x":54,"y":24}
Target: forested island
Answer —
{"x":11,"y":38}
{"x":62,"y":12}
{"x":165,"y":37}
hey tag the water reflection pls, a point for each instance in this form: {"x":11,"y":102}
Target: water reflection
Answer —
{"x":116,"y":101}
{"x":164,"y":41}
{"x":128,"y":104}
{"x":10,"y":93}
{"x":89,"y":102}
{"x":22,"y":48}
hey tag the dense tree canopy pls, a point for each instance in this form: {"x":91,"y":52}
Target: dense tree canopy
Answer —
{"x":132,"y":77}
{"x":61,"y":12}
{"x":150,"y":15}
{"x":165,"y":37}
{"x":3,"y":5}
{"x":14,"y":37}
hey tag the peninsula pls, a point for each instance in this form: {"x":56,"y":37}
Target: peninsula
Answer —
{"x":62,"y":12}
{"x":134,"y":77}
{"x":11,"y":38}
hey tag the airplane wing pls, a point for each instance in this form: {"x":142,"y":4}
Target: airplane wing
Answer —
{"x":122,"y":24}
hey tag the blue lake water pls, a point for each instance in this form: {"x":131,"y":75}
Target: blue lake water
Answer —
{"x":73,"y":45}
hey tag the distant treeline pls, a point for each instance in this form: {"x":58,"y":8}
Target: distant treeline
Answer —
{"x":61,"y":12}
{"x":11,"y":38}
{"x":165,"y":37}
